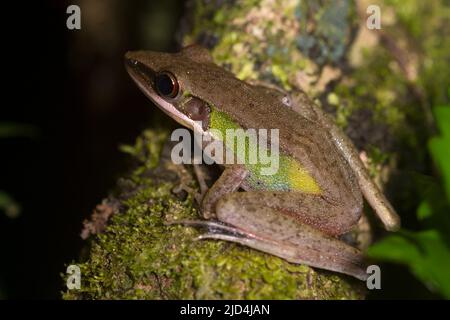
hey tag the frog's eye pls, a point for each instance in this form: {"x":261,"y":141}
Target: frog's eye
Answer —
{"x":166,"y":85}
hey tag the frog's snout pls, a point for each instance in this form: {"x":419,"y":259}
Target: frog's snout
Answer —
{"x":130,"y":59}
{"x":137,"y":67}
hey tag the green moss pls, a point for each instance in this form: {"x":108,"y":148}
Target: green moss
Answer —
{"x":139,"y":257}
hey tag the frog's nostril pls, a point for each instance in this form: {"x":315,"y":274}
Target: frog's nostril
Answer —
{"x":130,"y":59}
{"x":131,"y":62}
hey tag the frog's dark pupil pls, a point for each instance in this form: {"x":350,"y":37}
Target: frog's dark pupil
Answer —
{"x":166,"y":85}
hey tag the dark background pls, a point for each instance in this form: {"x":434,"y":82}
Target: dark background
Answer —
{"x":71,"y":86}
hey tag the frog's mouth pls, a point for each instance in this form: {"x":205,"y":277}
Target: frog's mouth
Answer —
{"x":144,"y":76}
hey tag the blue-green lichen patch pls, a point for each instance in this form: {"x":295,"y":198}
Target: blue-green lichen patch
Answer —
{"x":286,"y":43}
{"x":138,"y":256}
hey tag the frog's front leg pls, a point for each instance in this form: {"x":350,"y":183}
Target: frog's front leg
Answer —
{"x":230,"y":181}
{"x":201,"y":180}
{"x":262,"y":221}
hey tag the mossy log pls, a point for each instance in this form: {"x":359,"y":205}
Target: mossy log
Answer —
{"x":133,"y":254}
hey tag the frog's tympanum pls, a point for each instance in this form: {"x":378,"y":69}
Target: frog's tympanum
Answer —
{"x":315,"y":195}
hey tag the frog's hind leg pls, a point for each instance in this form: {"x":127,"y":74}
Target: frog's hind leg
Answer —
{"x":343,"y":262}
{"x":263,"y":218}
{"x":268,"y":231}
{"x":331,"y":217}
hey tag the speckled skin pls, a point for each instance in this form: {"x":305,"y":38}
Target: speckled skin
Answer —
{"x":295,"y":224}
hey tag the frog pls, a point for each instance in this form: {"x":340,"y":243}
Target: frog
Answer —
{"x":299,"y":213}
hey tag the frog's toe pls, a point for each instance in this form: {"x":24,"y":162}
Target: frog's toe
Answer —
{"x":213,"y":227}
{"x":183,"y":188}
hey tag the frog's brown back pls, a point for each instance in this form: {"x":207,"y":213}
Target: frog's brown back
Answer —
{"x":305,"y":139}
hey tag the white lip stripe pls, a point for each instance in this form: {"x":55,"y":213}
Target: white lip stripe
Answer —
{"x":165,"y":106}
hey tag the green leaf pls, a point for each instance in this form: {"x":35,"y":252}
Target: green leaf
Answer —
{"x":442,"y":159}
{"x":440,"y":146}
{"x":425,"y":253}
{"x":442,"y":116}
